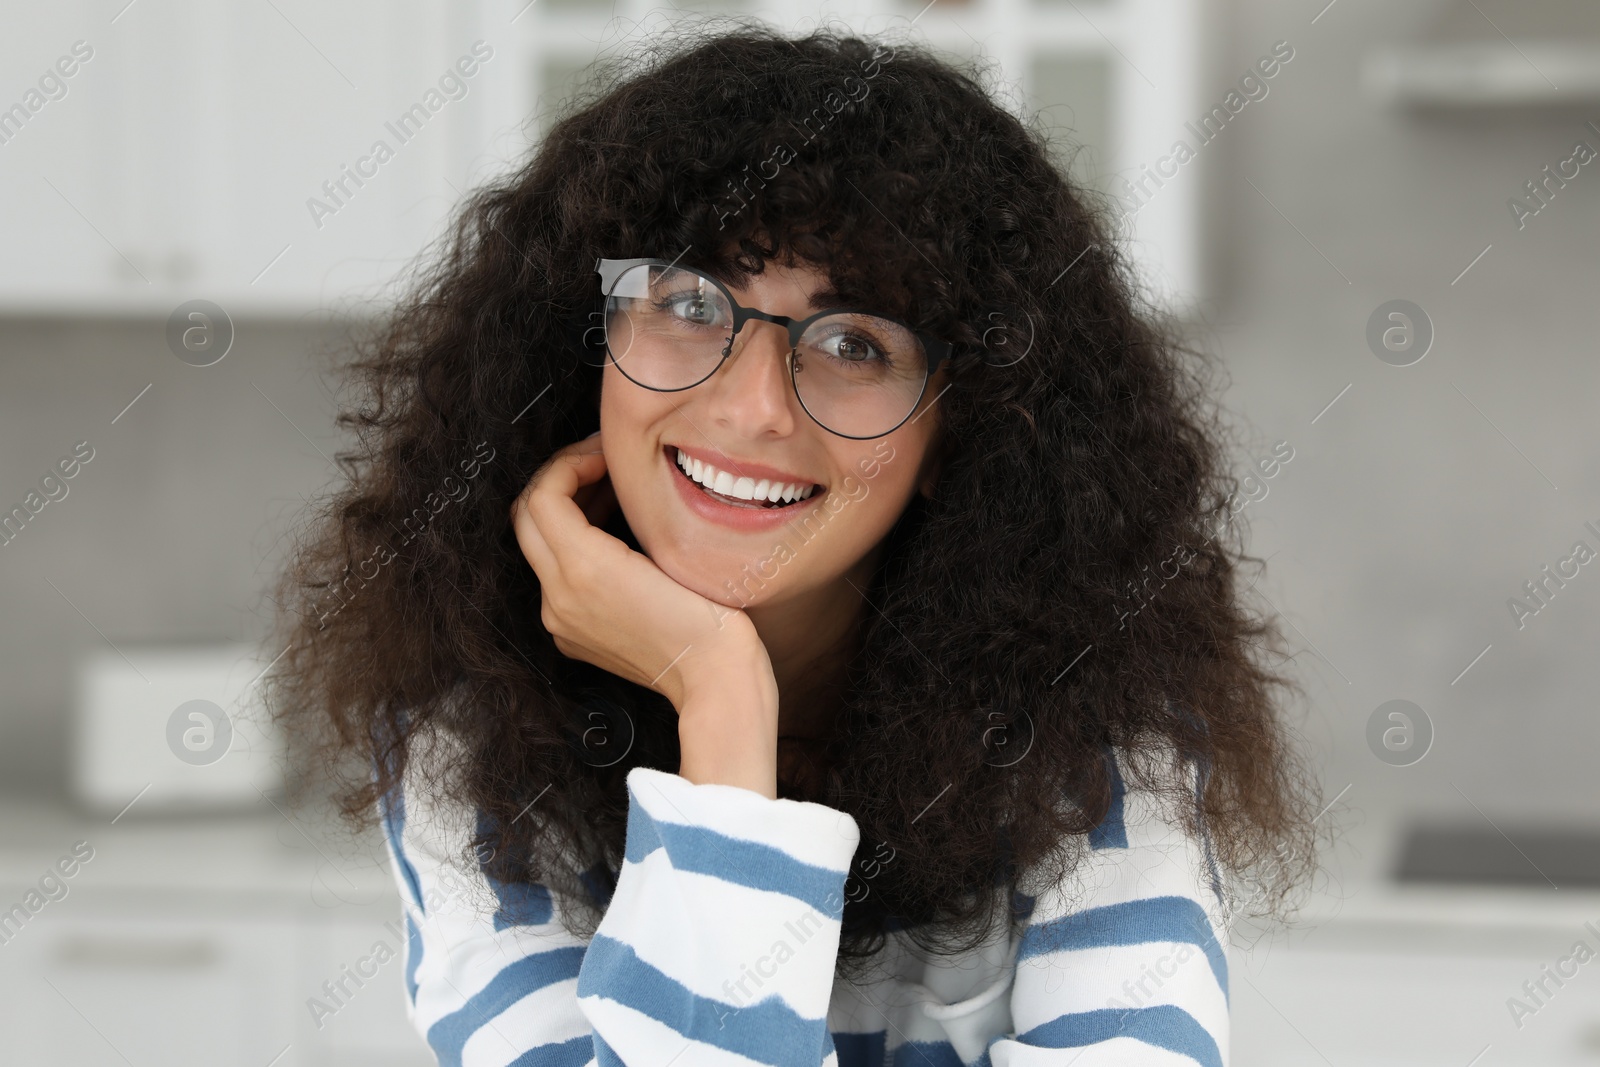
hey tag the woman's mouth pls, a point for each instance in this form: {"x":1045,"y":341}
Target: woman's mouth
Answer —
{"x":739,"y":491}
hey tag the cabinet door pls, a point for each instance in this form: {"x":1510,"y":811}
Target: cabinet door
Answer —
{"x":190,"y":154}
{"x":87,"y":991}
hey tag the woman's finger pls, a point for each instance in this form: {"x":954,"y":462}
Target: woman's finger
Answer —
{"x":547,"y":520}
{"x":525,"y":523}
{"x":550,"y":499}
{"x":533,"y":545}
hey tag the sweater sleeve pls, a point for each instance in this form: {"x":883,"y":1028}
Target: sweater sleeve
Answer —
{"x":718,"y":943}
{"x":1126,"y":964}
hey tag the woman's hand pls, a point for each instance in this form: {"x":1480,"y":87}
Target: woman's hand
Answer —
{"x":613,"y":607}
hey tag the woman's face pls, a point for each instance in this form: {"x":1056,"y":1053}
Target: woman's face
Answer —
{"x":746,"y":420}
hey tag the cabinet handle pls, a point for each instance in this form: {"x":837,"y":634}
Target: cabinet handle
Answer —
{"x":171,"y":953}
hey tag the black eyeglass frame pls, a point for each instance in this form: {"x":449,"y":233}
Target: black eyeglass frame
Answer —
{"x":936,"y":349}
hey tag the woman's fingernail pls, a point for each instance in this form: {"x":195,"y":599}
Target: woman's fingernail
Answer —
{"x":595,"y":434}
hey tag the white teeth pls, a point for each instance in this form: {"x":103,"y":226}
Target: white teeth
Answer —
{"x":742,"y":488}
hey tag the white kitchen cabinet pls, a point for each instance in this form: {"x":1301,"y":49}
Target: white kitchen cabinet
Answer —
{"x":200,"y":942}
{"x":184,"y":157}
{"x":187,"y":155}
{"x":219,"y":988}
{"x":85,"y":990}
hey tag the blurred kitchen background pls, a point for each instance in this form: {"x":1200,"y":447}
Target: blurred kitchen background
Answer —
{"x":170,"y":301}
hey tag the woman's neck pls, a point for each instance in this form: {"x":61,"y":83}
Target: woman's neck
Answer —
{"x":810,"y":640}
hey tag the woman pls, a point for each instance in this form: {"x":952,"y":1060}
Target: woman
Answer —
{"x":781,"y":600}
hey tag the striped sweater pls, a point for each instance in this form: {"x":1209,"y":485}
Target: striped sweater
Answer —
{"x":718,"y":947}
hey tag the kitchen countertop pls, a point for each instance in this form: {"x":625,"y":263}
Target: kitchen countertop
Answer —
{"x":294,"y":859}
{"x":266,"y":857}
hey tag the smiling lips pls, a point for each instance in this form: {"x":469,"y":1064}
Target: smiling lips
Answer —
{"x":761,"y":486}
{"x":736,"y":503}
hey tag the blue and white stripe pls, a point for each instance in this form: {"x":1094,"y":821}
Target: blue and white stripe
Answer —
{"x":718,"y":947}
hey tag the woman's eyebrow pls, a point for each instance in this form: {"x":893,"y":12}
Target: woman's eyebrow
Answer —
{"x":819,"y":300}
{"x":824,"y":298}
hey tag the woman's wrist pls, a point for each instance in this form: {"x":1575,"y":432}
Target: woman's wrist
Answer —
{"x":728,"y":723}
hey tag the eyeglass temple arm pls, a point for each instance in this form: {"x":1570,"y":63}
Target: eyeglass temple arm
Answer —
{"x":612,"y":269}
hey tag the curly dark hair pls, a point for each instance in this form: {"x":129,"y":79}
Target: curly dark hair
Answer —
{"x":1084,"y":457}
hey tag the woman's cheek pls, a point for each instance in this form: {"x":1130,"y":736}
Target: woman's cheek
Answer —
{"x":853,"y":490}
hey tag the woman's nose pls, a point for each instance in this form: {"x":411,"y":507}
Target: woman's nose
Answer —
{"x":751,"y":390}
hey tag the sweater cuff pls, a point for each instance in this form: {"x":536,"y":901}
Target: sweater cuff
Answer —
{"x":788,"y":846}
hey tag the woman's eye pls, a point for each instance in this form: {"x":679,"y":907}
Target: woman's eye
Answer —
{"x":854,"y":349}
{"x":693,"y":308}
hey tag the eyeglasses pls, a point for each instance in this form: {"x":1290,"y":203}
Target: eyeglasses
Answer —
{"x":858,"y":374}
